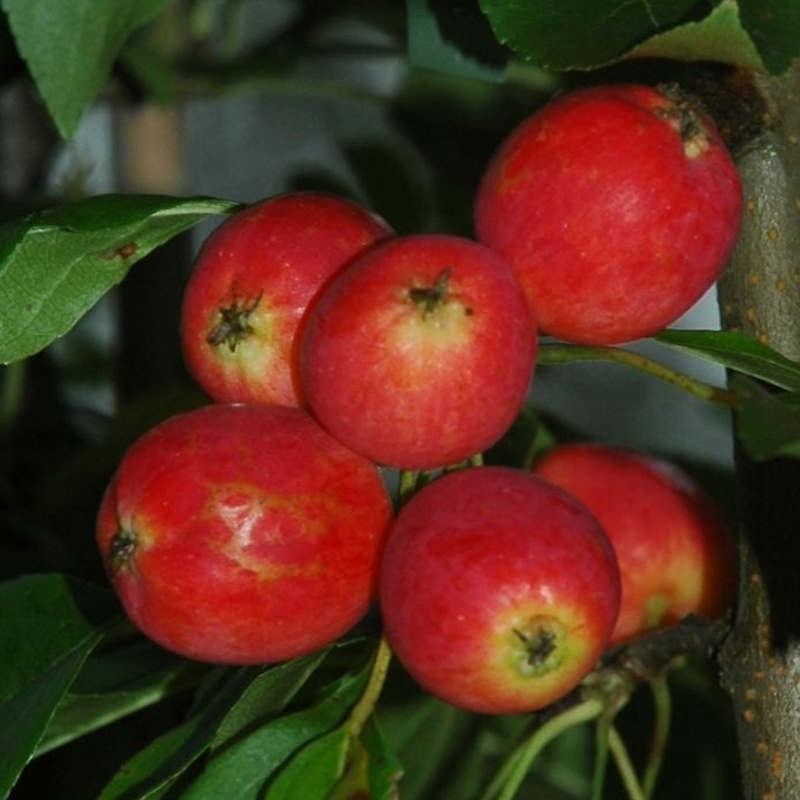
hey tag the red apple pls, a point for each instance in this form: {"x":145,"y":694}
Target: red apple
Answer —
{"x":498,"y":590}
{"x":676,"y":555}
{"x":250,"y":288}
{"x":616,"y":206}
{"x":420,"y":352}
{"x":243,"y":534}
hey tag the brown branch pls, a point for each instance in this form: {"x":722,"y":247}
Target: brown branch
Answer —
{"x":760,"y":294}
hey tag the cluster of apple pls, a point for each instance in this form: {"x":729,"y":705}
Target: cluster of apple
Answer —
{"x":260,"y":527}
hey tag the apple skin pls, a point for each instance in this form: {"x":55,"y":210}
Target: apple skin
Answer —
{"x":242,"y":534}
{"x":250,"y":288}
{"x":675,"y":553}
{"x":420,"y":352}
{"x":478,"y":562}
{"x":616,"y":206}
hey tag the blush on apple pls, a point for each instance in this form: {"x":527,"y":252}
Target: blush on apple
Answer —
{"x":420,"y":352}
{"x":498,"y":590}
{"x":243,"y":534}
{"x":251,"y":286}
{"x":676,"y":555}
{"x":616,"y":206}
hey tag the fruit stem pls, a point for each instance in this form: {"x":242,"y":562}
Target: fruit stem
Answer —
{"x":564,"y":353}
{"x":363,"y":709}
{"x":628,"y":774}
{"x":662,"y":704}
{"x":408,"y":480}
{"x":603,"y":729}
{"x":511,"y":775}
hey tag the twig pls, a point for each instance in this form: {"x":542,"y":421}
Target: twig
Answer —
{"x":564,"y":353}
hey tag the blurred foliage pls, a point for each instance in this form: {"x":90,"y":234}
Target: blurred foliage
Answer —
{"x":102,"y":707}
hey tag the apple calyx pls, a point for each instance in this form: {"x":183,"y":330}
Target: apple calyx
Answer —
{"x":233,"y":325}
{"x":428,"y":299}
{"x":541,"y":639}
{"x":120,"y":550}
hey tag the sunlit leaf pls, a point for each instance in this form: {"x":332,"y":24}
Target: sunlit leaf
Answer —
{"x":736,"y":351}
{"x":582,"y":34}
{"x":56,"y":264}
{"x":718,"y":37}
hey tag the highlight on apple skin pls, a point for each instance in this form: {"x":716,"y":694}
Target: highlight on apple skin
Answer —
{"x":498,"y":590}
{"x":419,"y":353}
{"x":252,"y":283}
{"x":616,"y":206}
{"x":675,"y":553}
{"x":240,"y":534}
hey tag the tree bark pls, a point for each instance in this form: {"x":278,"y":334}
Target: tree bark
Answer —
{"x":760,"y":295}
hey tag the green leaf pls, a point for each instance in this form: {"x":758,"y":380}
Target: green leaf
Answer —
{"x":267,"y":695}
{"x":129,"y":661}
{"x":56,"y":264}
{"x":427,"y":48}
{"x":767,"y":423}
{"x":583,"y":34}
{"x":44,"y":618}
{"x":718,"y":37}
{"x":314,"y":771}
{"x":423,"y":732}
{"x":383,"y":767}
{"x":25,"y":716}
{"x":355,"y":779}
{"x":565,"y":766}
{"x":50,"y":625}
{"x":117,"y":681}
{"x":774,"y":26}
{"x":579,"y":34}
{"x":80,"y":714}
{"x":242,"y":770}
{"x":526,"y":439}
{"x":490,"y":741}
{"x":152,"y":770}
{"x":70,"y":45}
{"x":736,"y":351}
